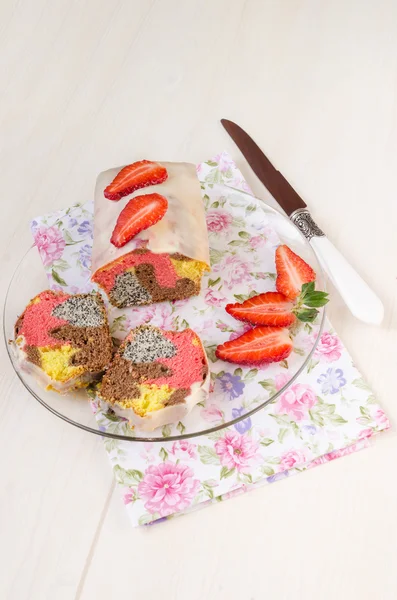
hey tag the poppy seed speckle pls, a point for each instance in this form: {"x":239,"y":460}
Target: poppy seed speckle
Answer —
{"x":128,"y":291}
{"x":148,"y":345}
{"x":80,"y":311}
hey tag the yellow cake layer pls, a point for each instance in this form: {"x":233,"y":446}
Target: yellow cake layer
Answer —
{"x":55,"y":362}
{"x":153,"y":397}
{"x":192,"y":269}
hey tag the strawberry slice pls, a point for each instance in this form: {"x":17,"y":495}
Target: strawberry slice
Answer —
{"x":134,"y":177}
{"x":257,"y":346}
{"x":138,"y":214}
{"x":271,"y":308}
{"x":292,"y":272}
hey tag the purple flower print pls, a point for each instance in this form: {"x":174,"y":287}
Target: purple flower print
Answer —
{"x":310,"y":429}
{"x":241,"y":426}
{"x":156,"y":521}
{"x":331,"y":381}
{"x":72,"y":223}
{"x":231,"y":385}
{"x":85,"y":256}
{"x":277,"y":476}
{"x":85,"y":228}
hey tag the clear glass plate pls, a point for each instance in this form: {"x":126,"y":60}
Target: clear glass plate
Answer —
{"x":242,"y":254}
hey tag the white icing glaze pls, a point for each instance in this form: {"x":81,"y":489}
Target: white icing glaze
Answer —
{"x":183,"y":228}
{"x":41,"y":376}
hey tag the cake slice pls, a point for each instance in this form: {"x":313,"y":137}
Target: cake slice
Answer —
{"x":143,"y":277}
{"x":156,"y":377}
{"x":63,"y":339}
{"x":168,"y":256}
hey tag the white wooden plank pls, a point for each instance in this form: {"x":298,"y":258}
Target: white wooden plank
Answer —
{"x":87,"y":85}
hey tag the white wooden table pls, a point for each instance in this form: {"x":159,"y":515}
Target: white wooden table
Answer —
{"x":86,"y":85}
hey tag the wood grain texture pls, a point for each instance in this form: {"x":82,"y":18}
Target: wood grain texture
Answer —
{"x":92,"y":84}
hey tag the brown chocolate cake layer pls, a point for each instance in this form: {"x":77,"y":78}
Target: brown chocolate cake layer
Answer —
{"x":184,"y":287}
{"x":94,"y":343}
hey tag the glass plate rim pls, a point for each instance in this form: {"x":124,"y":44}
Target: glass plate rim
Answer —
{"x":182,"y":436}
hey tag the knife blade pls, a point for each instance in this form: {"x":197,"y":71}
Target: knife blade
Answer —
{"x":272,"y":179}
{"x":358,"y":296}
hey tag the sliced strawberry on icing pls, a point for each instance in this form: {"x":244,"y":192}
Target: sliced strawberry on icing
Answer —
{"x":138,"y":214}
{"x":271,"y":308}
{"x":257,"y":346}
{"x":292,"y":272}
{"x":134,"y":177}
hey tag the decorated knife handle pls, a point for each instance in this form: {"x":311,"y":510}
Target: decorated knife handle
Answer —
{"x":358,"y":296}
{"x":304,"y":222}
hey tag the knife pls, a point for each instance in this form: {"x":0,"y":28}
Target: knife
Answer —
{"x":363,"y":303}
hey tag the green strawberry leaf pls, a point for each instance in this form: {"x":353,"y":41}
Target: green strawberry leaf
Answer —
{"x":316,"y":299}
{"x":307,"y":315}
{"x":307,"y":288}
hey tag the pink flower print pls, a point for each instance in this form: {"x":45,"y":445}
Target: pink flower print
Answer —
{"x":168,"y":488}
{"x":271,"y":235}
{"x":297,"y":401}
{"x":240,"y":183}
{"x":163,"y":317}
{"x":146,"y":453}
{"x":237,"y":451}
{"x":139,"y":316}
{"x":212,"y":413}
{"x":50,"y":243}
{"x":257,"y":241}
{"x":214,"y":298}
{"x":225,"y":162}
{"x":234,"y":271}
{"x":363,"y":443}
{"x":292,"y":458}
{"x":222,"y":326}
{"x":243,"y":329}
{"x":159,"y":316}
{"x":381,"y":419}
{"x":280,"y":380}
{"x":129,"y":496}
{"x":183,"y":450}
{"x":329,"y":347}
{"x":218,"y":221}
{"x":235,"y":492}
{"x":365,"y":433}
{"x":180,"y":303}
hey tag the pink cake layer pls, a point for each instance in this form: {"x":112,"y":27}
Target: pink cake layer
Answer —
{"x":38,"y":320}
{"x":186,"y":365}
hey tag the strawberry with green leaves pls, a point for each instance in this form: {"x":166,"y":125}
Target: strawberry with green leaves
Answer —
{"x":292,"y":272}
{"x":276,"y":310}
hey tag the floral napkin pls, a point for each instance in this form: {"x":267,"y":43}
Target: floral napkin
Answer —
{"x":329,"y":412}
